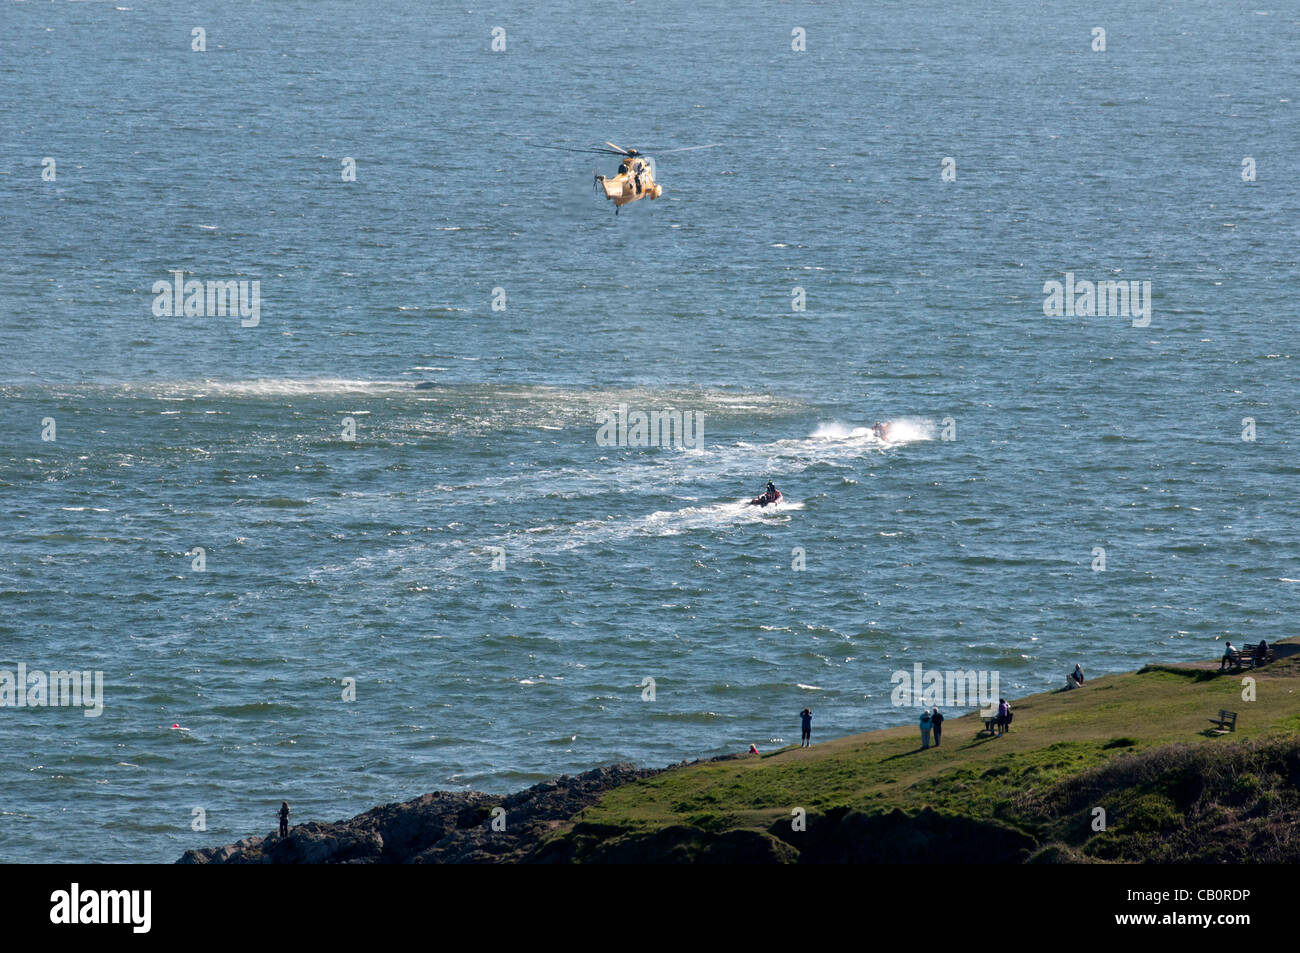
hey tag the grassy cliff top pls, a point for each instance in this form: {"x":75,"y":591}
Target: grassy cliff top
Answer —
{"x":1140,"y":746}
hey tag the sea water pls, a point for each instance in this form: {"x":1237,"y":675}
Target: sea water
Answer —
{"x":302,"y":579}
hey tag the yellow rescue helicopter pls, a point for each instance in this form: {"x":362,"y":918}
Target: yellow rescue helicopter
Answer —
{"x":635,"y":178}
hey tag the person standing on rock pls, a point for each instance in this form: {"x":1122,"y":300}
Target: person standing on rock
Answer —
{"x":936,"y":722}
{"x":925,"y":728}
{"x":284,"y":818}
{"x":806,"y":716}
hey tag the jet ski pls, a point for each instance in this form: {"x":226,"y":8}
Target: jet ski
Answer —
{"x":769,"y":496}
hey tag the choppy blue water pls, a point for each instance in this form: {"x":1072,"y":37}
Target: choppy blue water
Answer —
{"x":371,"y":559}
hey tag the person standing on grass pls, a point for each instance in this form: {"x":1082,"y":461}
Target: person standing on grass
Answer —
{"x":925,"y":728}
{"x":806,"y":716}
{"x":1004,"y":715}
{"x":936,"y":722}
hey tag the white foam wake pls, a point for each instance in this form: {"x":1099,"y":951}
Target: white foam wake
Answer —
{"x":898,"y":431}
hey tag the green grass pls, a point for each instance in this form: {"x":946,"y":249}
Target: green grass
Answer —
{"x":1015,"y":779}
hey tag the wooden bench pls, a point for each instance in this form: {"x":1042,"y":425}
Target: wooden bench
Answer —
{"x":1252,"y":651}
{"x":1249,"y":657}
{"x":991,"y":724}
{"x":1241,"y":658}
{"x":1227,"y":720}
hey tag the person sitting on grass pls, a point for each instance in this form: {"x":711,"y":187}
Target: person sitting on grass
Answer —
{"x":1077,"y":674}
{"x":1230,"y":657}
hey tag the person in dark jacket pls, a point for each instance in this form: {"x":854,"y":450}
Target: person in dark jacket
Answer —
{"x":284,"y":818}
{"x":806,"y":716}
{"x":1230,"y":657}
{"x":936,"y":725}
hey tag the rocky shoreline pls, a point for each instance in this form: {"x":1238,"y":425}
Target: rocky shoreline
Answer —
{"x":1174,"y":790}
{"x":457,"y":828}
{"x":440,"y":828}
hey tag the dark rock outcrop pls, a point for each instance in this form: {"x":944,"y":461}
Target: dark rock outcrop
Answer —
{"x":440,"y":828}
{"x":678,"y":844}
{"x":843,"y":836}
{"x":840,"y":836}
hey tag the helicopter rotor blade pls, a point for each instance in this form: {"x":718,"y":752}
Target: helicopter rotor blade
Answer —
{"x":712,"y":145}
{"x":605,"y":152}
{"x":620,"y":149}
